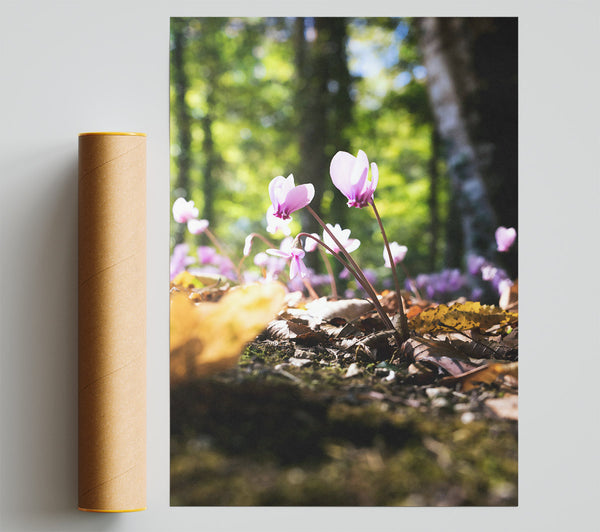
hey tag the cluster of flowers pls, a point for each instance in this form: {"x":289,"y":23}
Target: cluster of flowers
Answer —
{"x":441,"y":286}
{"x":499,"y":279}
{"x":208,"y":259}
{"x":452,"y":283}
{"x":350,"y":175}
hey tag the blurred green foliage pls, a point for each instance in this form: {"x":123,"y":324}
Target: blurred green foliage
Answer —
{"x":241,"y":81}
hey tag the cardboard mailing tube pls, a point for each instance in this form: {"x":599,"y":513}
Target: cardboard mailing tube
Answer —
{"x":112,"y":322}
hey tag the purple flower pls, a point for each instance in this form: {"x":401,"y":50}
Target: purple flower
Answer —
{"x":474,"y":264}
{"x":505,"y":238}
{"x":488,"y":272}
{"x":349,"y":175}
{"x":398,"y":253}
{"x":343,"y":235}
{"x":184,"y":211}
{"x":295,"y":255}
{"x":207,"y":255}
{"x":197,"y":227}
{"x":180,"y":260}
{"x":275,"y":224}
{"x":287,"y":198}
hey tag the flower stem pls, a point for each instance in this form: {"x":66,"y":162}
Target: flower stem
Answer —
{"x":334,"y":293}
{"x":411,"y":281}
{"x":261,"y":237}
{"x":218,"y":245}
{"x":360,"y":277}
{"x":403,"y":320}
{"x":310,"y":289}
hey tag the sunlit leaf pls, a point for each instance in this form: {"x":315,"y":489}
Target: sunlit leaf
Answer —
{"x":187,"y":280}
{"x":461,"y":317}
{"x":207,"y":337}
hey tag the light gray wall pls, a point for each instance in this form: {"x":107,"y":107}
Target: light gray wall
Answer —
{"x":68,"y":67}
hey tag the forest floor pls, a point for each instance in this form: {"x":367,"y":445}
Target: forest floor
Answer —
{"x":304,"y":422}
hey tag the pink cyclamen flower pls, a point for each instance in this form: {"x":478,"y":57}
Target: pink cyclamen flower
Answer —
{"x":349,"y":175}
{"x":343,"y":235}
{"x":275,"y":224}
{"x":311,"y":244}
{"x":295,"y":255}
{"x":197,"y":227}
{"x":287,"y":198}
{"x":505,"y":237}
{"x":183,"y":210}
{"x":398,"y":253}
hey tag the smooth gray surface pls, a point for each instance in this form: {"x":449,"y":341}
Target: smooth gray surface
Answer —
{"x":68,"y":67}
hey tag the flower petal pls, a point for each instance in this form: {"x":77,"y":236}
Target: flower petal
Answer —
{"x":275,"y":223}
{"x":351,"y":244}
{"x":184,"y":210}
{"x":248,"y":245}
{"x":278,"y":253}
{"x":360,"y":171}
{"x":197,"y":227}
{"x":279,"y":187}
{"x":505,"y":238}
{"x":374,"y":176}
{"x":299,"y":197}
{"x":340,"y":170}
{"x":311,"y":244}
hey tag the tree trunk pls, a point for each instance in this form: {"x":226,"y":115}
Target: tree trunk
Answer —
{"x":434,"y":215}
{"x":208,"y":150}
{"x":458,"y":98}
{"x":311,"y":98}
{"x":325,"y":110}
{"x":182,"y":114}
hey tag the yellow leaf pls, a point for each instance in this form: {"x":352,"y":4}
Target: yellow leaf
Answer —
{"x":207,"y":337}
{"x":187,"y":280}
{"x":461,"y":317}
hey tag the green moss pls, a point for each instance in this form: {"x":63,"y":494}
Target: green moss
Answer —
{"x":268,"y":433}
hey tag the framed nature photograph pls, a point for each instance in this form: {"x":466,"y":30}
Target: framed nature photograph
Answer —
{"x":343,"y":261}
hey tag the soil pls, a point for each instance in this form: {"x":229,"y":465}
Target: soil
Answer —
{"x":297,"y":425}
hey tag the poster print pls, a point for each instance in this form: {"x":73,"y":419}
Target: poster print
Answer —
{"x":343,"y":275}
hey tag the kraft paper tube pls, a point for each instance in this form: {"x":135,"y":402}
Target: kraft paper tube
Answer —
{"x":112,"y":322}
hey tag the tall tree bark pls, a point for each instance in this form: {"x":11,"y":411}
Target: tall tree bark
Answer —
{"x":472,"y":83}
{"x":311,"y":102}
{"x":325,"y":108}
{"x":450,"y":83}
{"x":434,"y":215}
{"x":182,"y":114}
{"x":208,"y":150}
{"x":341,"y":107}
